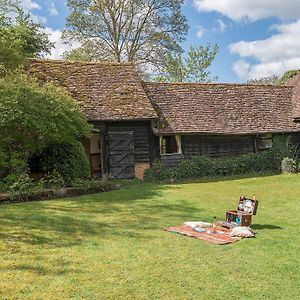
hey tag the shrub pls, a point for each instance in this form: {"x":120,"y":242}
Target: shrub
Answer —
{"x":69,"y":160}
{"x":81,"y":185}
{"x":54,"y":180}
{"x":90,"y":186}
{"x":158,"y":172}
{"x":201,"y":166}
{"x":3,"y":187}
{"x":288,"y":165}
{"x":197,"y":167}
{"x":34,"y":116}
{"x":10,"y":179}
{"x":3,"y":163}
{"x":11,"y":166}
{"x":17,"y":164}
{"x":25,"y":189}
{"x":102,"y":185}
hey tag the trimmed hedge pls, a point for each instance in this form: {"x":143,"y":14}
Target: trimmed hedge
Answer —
{"x":201,"y":166}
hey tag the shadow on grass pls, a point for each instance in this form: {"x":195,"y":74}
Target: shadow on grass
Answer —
{"x":265,"y":226}
{"x":70,"y":222}
{"x":226,"y":178}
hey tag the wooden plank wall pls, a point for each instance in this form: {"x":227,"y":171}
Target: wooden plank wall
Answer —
{"x":173,"y":160}
{"x":211,"y":146}
{"x":217,"y":146}
{"x":141,"y":137}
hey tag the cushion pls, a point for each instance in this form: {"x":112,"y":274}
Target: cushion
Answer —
{"x":198,"y":224}
{"x":242,"y":231}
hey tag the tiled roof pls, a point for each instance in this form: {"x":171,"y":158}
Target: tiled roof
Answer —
{"x":113,"y":92}
{"x":107,"y":91}
{"x":222,"y":108}
{"x":295,"y":83}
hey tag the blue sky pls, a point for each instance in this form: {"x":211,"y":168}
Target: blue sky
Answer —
{"x":257,"y":38}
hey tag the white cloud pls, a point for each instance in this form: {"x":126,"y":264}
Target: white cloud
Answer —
{"x":241,"y":68}
{"x":29,"y":5}
{"x":53,"y":10}
{"x":60,"y":46}
{"x":38,"y":19}
{"x":251,"y":10}
{"x":274,"y":55}
{"x":200,"y":31}
{"x":221,"y":26}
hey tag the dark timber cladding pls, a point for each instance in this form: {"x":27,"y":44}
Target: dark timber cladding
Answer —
{"x":217,"y":146}
{"x":210,"y":146}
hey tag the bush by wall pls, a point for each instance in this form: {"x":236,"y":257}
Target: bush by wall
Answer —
{"x":93,"y":186}
{"x":288,"y":166}
{"x":69,"y":160}
{"x":202,"y":166}
{"x":24,"y":188}
{"x":158,"y":172}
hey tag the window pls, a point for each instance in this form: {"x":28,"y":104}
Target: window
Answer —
{"x":170,"y":144}
{"x":265,"y":141}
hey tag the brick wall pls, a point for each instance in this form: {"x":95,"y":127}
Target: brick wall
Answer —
{"x":140,"y":169}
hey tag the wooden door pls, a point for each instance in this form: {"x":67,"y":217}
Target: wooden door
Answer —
{"x":121,"y":154}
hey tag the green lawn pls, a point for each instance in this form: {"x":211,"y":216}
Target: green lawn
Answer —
{"x":113,"y":246}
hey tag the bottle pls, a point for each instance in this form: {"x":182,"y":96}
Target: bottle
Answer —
{"x":214,"y":225}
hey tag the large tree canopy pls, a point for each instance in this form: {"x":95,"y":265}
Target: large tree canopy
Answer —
{"x":139,"y":31}
{"x":20,"y":37}
{"x":34,"y":116}
{"x":192,"y":68}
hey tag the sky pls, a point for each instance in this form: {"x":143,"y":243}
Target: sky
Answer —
{"x":257,"y":38}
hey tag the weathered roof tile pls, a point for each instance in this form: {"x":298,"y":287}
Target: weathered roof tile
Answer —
{"x":107,"y":91}
{"x":222,"y":108}
{"x":295,"y":83}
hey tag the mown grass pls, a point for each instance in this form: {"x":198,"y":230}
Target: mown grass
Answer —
{"x":113,"y":246}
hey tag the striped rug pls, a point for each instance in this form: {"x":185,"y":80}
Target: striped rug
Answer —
{"x":214,"y":238}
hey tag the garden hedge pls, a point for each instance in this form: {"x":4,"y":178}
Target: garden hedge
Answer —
{"x":201,"y":166}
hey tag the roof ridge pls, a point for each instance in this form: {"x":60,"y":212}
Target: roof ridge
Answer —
{"x":215,"y":84}
{"x":81,"y":62}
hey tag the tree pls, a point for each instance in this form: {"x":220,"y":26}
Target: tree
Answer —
{"x":270,"y":80}
{"x":138,"y":31}
{"x":192,"y":68}
{"x":84,"y":53}
{"x":284,"y":79}
{"x":20,"y":37}
{"x":35,"y":116}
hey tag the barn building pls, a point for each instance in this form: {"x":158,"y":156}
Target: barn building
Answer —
{"x":136,"y":122}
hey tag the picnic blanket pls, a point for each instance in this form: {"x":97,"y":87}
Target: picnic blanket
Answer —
{"x":214,"y":238}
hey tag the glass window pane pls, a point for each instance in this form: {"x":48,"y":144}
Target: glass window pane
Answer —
{"x":265,"y":141}
{"x":169,"y":145}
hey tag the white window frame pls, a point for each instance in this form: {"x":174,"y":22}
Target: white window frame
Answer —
{"x":178,"y":140}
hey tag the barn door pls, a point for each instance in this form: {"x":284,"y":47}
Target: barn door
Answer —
{"x":121,"y":154}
